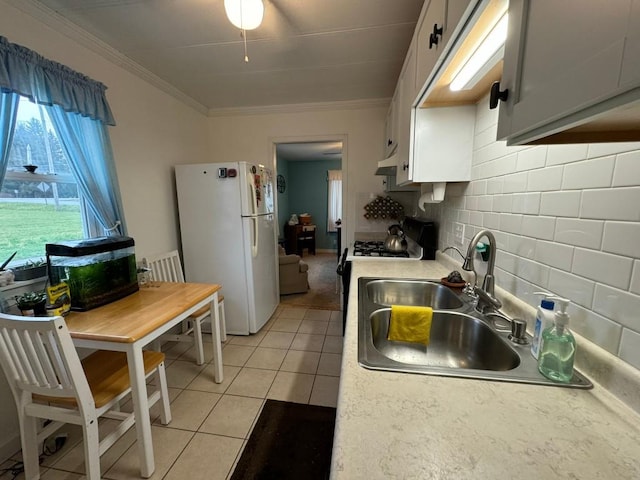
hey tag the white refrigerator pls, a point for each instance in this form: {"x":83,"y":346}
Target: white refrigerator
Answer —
{"x":229,"y":231}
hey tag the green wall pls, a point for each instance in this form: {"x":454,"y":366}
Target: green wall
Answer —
{"x":306,"y":192}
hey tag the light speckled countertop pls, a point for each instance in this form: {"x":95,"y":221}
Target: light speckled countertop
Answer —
{"x":405,"y":426}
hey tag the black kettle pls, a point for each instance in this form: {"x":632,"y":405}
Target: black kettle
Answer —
{"x":395,"y":241}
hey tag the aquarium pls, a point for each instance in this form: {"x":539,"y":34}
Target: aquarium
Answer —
{"x":97,"y":270}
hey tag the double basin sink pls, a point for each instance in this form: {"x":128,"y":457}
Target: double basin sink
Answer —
{"x":463,"y":343}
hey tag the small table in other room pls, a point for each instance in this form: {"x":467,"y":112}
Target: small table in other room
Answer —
{"x":298,"y":237}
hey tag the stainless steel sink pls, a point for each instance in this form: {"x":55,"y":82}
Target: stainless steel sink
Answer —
{"x":457,"y":340}
{"x":412,"y":292}
{"x":463,"y":342}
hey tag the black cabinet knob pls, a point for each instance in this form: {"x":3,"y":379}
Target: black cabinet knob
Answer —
{"x":384,"y":182}
{"x":405,"y":166}
{"x":433,"y":37}
{"x":497,"y":95}
{"x":389,"y":142}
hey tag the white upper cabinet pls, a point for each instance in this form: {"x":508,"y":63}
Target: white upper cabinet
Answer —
{"x":391,"y":127}
{"x":432,"y":34}
{"x":443,"y":144}
{"x":406,"y":96}
{"x":570,"y":66}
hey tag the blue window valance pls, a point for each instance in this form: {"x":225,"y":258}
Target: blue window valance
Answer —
{"x":29,"y":74}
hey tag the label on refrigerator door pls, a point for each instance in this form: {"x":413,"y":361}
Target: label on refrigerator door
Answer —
{"x":258,"y":186}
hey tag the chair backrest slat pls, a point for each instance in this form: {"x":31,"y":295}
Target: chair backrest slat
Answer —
{"x":165,"y":267}
{"x":38,"y":356}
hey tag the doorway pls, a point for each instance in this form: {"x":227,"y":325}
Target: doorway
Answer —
{"x":309,"y":182}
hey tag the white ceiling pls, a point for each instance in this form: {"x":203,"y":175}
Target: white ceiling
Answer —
{"x":309,"y":151}
{"x":305,"y":51}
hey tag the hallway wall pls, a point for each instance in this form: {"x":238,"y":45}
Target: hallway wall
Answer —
{"x":307,"y":186}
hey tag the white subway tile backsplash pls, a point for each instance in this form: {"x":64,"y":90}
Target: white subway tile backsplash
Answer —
{"x":581,"y":233}
{"x":630,"y":347}
{"x":471,"y":202}
{"x":620,"y":306}
{"x":506,"y":261}
{"x":533,"y":272}
{"x":475,"y":218}
{"x":603,"y":149}
{"x":503,"y":166}
{"x":602,"y":267}
{"x":531,"y":158}
{"x":516,"y":182}
{"x":554,"y":254}
{"x":635,"y":278}
{"x":577,"y":289}
{"x":528,"y":203}
{"x":538,"y":227}
{"x":627,"y":171}
{"x":521,"y":246}
{"x":511,"y":223}
{"x":560,"y":204}
{"x":611,"y":204}
{"x":495,"y":185}
{"x":479,"y":187}
{"x":595,"y":328}
{"x":485,"y":203}
{"x":491,"y":221}
{"x":503,"y":203}
{"x":566,"y":218}
{"x":596,"y":173}
{"x":622,"y":238}
{"x":485,"y":137}
{"x":561,"y":154}
{"x":545,"y":179}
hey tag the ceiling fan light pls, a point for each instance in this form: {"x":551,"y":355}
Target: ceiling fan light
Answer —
{"x":244,"y":14}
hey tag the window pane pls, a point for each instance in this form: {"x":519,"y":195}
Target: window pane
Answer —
{"x":41,"y":207}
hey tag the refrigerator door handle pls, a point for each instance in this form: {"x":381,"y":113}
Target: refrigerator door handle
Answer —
{"x":254,"y":244}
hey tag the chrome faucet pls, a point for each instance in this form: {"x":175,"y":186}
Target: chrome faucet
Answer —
{"x":486,"y":294}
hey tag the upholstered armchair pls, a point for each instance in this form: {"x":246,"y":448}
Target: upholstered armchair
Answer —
{"x":293,"y":274}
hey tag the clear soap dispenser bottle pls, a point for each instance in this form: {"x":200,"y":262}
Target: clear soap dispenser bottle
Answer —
{"x":555,"y":360}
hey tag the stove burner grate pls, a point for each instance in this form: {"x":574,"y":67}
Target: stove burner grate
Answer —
{"x":375,"y":249}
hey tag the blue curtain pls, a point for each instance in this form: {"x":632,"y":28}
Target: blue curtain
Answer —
{"x":80,"y":114}
{"x":8,"y":113}
{"x":43,"y":81}
{"x":86,"y":143}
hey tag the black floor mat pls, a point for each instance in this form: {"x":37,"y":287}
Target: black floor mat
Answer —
{"x":289,"y":441}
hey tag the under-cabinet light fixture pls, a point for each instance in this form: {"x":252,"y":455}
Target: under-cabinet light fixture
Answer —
{"x":483,"y":58}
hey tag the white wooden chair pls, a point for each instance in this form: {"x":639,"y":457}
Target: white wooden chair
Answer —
{"x":48,"y":381}
{"x":166,"y":267}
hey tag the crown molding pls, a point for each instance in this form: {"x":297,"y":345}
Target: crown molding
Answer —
{"x":69,"y":29}
{"x":300,"y":107}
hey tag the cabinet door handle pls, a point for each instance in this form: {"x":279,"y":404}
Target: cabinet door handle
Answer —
{"x":384,"y":182}
{"x":433,"y":37}
{"x":389,"y":142}
{"x":405,"y":166}
{"x":497,"y":95}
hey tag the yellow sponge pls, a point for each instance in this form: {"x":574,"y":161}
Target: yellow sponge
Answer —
{"x":410,"y":324}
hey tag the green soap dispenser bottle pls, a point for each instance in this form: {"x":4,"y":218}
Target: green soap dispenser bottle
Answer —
{"x":558,"y":349}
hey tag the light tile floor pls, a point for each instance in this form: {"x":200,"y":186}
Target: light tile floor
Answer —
{"x":296,"y":357}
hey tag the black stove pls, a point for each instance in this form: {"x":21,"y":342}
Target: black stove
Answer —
{"x":375,"y":249}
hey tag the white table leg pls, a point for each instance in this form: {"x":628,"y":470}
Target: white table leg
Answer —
{"x":141,"y":410}
{"x":215,"y":338}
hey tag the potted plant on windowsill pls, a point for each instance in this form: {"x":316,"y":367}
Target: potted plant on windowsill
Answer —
{"x":30,"y":270}
{"x":32,"y":304}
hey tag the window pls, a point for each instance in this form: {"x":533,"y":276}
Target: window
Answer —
{"x":43,"y":206}
{"x":334,"y":207}
{"x":57,"y":173}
